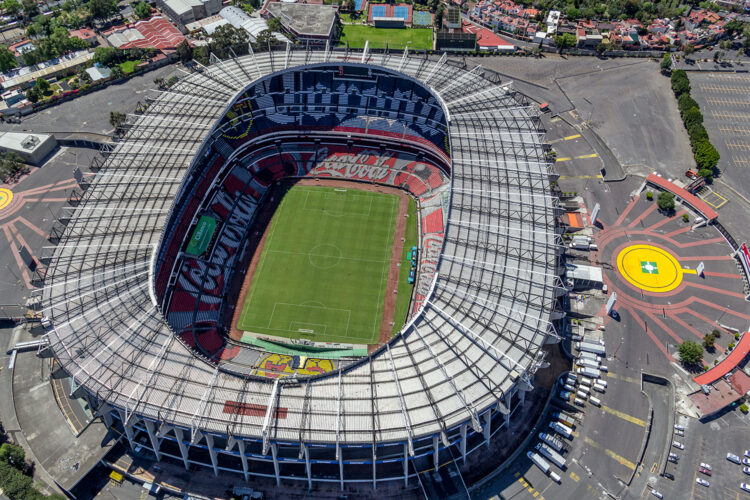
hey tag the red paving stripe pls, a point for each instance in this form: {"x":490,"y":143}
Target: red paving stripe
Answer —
{"x":708,"y":257}
{"x":716,"y":290}
{"x":678,"y":231}
{"x":643,"y":215}
{"x":715,"y":306}
{"x":48,"y":200}
{"x":661,"y":325}
{"x":693,"y":330}
{"x":723,"y":275}
{"x":17,"y":256}
{"x":31,"y":226}
{"x":664,"y":221}
{"x":719,"y":239}
{"x":627,"y":211}
{"x":653,"y":337}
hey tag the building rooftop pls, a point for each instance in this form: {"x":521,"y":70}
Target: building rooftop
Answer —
{"x":304,"y":19}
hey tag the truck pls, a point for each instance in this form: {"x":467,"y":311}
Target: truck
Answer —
{"x":587,"y":362}
{"x":551,"y":454}
{"x":539,"y":462}
{"x":555,"y":477}
{"x":589,"y":372}
{"x":564,"y":431}
{"x":564,"y":395}
{"x":564,"y":418}
{"x":597,"y":349}
{"x":551,"y":440}
{"x":589,"y":355}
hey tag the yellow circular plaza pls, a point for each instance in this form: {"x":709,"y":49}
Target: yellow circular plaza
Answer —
{"x":649,"y":268}
{"x":6,"y":195}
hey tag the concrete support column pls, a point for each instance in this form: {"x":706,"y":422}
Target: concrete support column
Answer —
{"x":487,"y":431}
{"x":155,"y":442}
{"x":183,"y":447}
{"x":341,"y":466}
{"x":308,"y":467}
{"x":406,"y":464}
{"x":508,"y":397}
{"x":243,"y":458}
{"x":108,"y":420}
{"x":374,"y":471}
{"x":521,"y":396}
{"x":128,"y":430}
{"x":212,"y":452}
{"x":463,"y":442}
{"x":274,"y":453}
{"x":435,"y":452}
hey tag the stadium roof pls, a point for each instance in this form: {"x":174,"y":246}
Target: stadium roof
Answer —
{"x":478,"y":335}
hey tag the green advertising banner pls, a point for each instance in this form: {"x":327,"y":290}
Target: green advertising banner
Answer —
{"x":201,"y":236}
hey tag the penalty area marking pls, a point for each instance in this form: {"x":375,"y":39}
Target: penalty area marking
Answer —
{"x":292,"y":323}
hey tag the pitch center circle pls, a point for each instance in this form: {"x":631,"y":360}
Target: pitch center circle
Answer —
{"x":649,"y":268}
{"x":325,"y":256}
{"x":6,"y":196}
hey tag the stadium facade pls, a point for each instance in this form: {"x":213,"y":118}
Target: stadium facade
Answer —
{"x":128,"y":311}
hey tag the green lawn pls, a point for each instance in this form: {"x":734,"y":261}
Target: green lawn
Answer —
{"x":323,"y":268}
{"x":404,"y":288}
{"x":357,"y":35}
{"x":128,"y":66}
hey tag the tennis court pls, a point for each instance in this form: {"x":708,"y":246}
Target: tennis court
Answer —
{"x":358,"y":4}
{"x":378,"y":11}
{"x":421,"y":18}
{"x":402,"y":12}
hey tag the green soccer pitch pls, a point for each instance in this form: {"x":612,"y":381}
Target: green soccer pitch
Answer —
{"x":323,"y":268}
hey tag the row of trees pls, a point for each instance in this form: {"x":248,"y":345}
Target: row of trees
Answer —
{"x":705,"y":154}
{"x":15,"y":473}
{"x":11,"y":166}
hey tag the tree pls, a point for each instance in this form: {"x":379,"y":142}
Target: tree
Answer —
{"x":42,"y":85}
{"x":12,"y":7}
{"x":706,"y":155}
{"x":665,"y":201}
{"x":13,"y":455}
{"x":116,"y":118}
{"x":108,"y":56}
{"x":102,"y":9}
{"x":32,"y":95}
{"x":565,"y":41}
{"x":688,"y":49}
{"x":685,"y":102}
{"x":680,"y":82}
{"x":692,"y":117}
{"x":666,"y":63}
{"x":30,"y":9}
{"x":7,"y":59}
{"x":572,"y":14}
{"x":228,"y":37}
{"x":117,"y":72}
{"x":142,"y":10}
{"x":274,"y":24}
{"x":690,"y":352}
{"x":708,"y":340}
{"x":184,"y":51}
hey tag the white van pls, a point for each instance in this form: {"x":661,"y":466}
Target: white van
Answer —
{"x":599,"y":388}
{"x":579,"y":402}
{"x":734,"y":458}
{"x":595,"y":401}
{"x":602,"y":383}
{"x":582,"y":394}
{"x":604,"y":368}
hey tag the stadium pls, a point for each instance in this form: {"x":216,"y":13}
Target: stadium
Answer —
{"x":141,"y":294}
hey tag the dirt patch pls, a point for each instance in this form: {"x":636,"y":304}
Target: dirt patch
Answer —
{"x":260,"y":229}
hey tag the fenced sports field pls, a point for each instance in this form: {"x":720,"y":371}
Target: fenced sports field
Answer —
{"x":323,"y":267}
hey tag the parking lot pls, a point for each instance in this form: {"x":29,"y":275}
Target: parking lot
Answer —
{"x":725,"y":101}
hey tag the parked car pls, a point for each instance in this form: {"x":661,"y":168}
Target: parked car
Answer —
{"x":672,"y":459}
{"x":747,"y":453}
{"x":657,"y":494}
{"x":734,"y":458}
{"x":678,"y":445}
{"x":669,"y":476}
{"x":706,"y":466}
{"x":704,"y":471}
{"x":746,"y":470}
{"x":745,"y":486}
{"x":702,"y":482}
{"x":746,"y":461}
